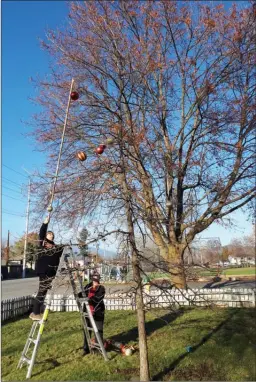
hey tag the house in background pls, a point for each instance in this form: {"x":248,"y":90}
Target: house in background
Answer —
{"x":241,"y":261}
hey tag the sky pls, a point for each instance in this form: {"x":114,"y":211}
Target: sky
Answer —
{"x":23,"y":23}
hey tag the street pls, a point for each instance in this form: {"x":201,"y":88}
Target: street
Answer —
{"x":25,"y":287}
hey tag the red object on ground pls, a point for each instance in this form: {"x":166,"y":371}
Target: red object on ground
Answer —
{"x":74,"y":96}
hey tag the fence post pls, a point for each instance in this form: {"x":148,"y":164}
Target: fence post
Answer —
{"x":12,"y":308}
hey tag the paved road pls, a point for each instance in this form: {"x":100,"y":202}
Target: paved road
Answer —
{"x":20,"y":287}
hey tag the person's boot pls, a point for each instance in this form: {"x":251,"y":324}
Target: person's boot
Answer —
{"x":35,"y":317}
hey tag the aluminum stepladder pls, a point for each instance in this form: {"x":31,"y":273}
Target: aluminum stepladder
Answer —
{"x":83,"y":303}
{"x":36,"y":331}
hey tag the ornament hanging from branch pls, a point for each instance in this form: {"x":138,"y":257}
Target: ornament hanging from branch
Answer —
{"x":74,"y":96}
{"x":81,"y":156}
{"x":100,"y":149}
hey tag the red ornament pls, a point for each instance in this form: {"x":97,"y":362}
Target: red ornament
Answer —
{"x":81,"y":156}
{"x":74,"y":96}
{"x":99,"y":150}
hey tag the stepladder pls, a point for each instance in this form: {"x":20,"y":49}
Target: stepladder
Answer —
{"x":84,"y":309}
{"x":66,"y":267}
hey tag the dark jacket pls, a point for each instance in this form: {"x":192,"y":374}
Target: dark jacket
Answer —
{"x":47,"y":259}
{"x":96,"y":301}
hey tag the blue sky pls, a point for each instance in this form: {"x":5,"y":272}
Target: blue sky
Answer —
{"x":23,"y":22}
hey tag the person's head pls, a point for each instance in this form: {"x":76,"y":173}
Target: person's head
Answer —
{"x":48,"y":242}
{"x":95,"y":279}
{"x":50,"y":235}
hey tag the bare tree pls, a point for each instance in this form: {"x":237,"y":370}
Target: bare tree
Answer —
{"x":186,"y":81}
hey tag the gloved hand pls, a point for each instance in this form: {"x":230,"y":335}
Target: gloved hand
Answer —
{"x":47,"y":219}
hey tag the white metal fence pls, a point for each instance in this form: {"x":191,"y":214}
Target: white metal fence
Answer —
{"x":224,"y":297}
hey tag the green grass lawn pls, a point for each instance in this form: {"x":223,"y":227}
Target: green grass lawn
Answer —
{"x":250,"y":271}
{"x":223,"y":347}
{"x":239,"y":271}
{"x":228,"y":271}
{"x":158,"y":275}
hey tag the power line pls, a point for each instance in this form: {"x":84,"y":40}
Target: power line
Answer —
{"x":11,"y":213}
{"x":8,"y":188}
{"x":14,"y":171}
{"x":20,"y":200}
{"x":11,"y":181}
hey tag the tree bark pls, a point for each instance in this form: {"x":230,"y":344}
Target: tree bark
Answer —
{"x":173,"y":256}
{"x":144,"y":366}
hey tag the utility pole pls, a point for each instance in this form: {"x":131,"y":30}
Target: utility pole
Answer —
{"x":26,"y":235}
{"x":8,"y":247}
{"x":97,"y":253}
{"x":104,"y":255}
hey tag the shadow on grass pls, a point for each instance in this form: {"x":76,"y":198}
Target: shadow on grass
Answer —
{"x":151,"y":327}
{"x":52,"y":362}
{"x":228,"y":284}
{"x":19,"y":347}
{"x":15,"y":319}
{"x":167,"y":370}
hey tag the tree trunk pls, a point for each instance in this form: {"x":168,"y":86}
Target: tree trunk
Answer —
{"x":177,"y":275}
{"x":173,"y":255}
{"x":144,"y":366}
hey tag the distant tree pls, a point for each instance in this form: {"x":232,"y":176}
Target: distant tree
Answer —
{"x":17,"y":250}
{"x":4,"y":252}
{"x":236,"y":248}
{"x":225,"y":253}
{"x":248,"y":242}
{"x":82,"y":239}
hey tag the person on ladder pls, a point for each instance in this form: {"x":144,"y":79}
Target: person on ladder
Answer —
{"x":46,"y":267}
{"x":95,"y":293}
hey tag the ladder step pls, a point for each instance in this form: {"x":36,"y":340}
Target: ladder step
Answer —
{"x":25,"y":359}
{"x":95,"y":346}
{"x":33,"y":340}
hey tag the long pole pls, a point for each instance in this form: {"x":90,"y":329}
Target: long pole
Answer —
{"x":26,"y":235}
{"x":60,"y":152}
{"x":8,"y":247}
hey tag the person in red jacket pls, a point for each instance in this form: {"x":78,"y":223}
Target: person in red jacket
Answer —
{"x":48,"y":259}
{"x":95,"y":293}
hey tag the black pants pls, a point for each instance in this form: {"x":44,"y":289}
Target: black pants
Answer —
{"x":99,"y":325}
{"x":45,"y":283}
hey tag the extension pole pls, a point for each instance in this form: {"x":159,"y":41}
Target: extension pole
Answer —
{"x":61,"y":146}
{"x":26,"y":235}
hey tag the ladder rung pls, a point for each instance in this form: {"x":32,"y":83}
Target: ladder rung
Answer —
{"x":25,"y":359}
{"x":95,"y":346}
{"x":33,"y":340}
{"x":88,"y":328}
